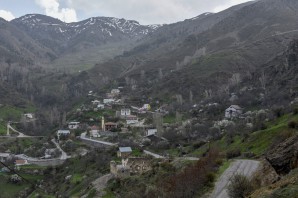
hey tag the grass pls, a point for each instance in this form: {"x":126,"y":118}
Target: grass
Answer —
{"x":14,"y":113}
{"x":2,"y":128}
{"x":169,"y":119}
{"x":223,"y":168}
{"x":8,"y":189}
{"x":76,"y":178}
{"x":100,"y":113}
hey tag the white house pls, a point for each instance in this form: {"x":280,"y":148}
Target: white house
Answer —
{"x":233,"y":111}
{"x":29,"y":115}
{"x":73,"y":125}
{"x":151,"y":132}
{"x":4,"y":156}
{"x":115,"y":91}
{"x":125,"y":112}
{"x":108,"y":101}
{"x":95,"y":102}
{"x":100,"y":106}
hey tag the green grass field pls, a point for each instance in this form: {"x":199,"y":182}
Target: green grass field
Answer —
{"x":258,"y":142}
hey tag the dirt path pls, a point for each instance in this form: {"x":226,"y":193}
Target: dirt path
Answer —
{"x":244,"y":167}
{"x":101,"y":183}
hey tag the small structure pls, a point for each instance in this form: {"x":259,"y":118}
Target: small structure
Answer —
{"x":131,"y":119}
{"x":108,"y":101}
{"x":94,"y":131}
{"x":151,"y":132}
{"x":146,"y":107}
{"x":73,"y":125}
{"x":29,"y":115}
{"x":124,"y":152}
{"x":4,"y":156}
{"x":110,"y":126}
{"x":95,"y":102}
{"x":115,"y":91}
{"x":100,"y":106}
{"x":62,"y":133}
{"x":233,"y":111}
{"x":125,"y":112}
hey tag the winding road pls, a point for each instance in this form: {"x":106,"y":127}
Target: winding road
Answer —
{"x":244,"y":167}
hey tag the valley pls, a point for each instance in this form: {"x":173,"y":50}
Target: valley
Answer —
{"x":107,"y":107}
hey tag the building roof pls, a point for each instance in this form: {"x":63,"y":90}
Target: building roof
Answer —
{"x":20,"y":162}
{"x":111,"y":123}
{"x":4,"y":154}
{"x":74,"y":123}
{"x":63,"y":131}
{"x":236,"y":107}
{"x":125,"y":149}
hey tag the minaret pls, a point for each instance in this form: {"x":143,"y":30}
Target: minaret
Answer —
{"x":103,"y":124}
{"x":8,"y":125}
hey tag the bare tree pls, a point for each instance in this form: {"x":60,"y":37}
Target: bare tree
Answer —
{"x":263,"y":80}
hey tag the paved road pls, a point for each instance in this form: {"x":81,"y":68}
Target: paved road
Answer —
{"x":153,"y":154}
{"x":244,"y":167}
{"x":83,"y":136}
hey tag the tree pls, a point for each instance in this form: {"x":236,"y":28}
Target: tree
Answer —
{"x":240,"y":186}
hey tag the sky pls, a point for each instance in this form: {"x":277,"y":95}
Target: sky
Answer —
{"x":144,"y":11}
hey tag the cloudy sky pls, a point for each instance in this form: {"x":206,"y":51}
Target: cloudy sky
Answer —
{"x":144,"y":11}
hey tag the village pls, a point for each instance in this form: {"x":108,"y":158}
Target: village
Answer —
{"x":107,"y":121}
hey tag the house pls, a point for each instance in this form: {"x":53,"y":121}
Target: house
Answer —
{"x":4,"y":156}
{"x":146,"y":107}
{"x":131,"y":119}
{"x":125,"y":112}
{"x":100,"y":106}
{"x":108,"y":101}
{"x":110,"y":126}
{"x":115,"y":91}
{"x":94,"y":132}
{"x":21,"y":162}
{"x":124,"y":152}
{"x":151,"y":132}
{"x":233,"y":111}
{"x":73,"y":125}
{"x":95,"y":102}
{"x":63,"y":132}
{"x":29,"y":115}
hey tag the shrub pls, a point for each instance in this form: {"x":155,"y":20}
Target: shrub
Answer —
{"x":233,"y":153}
{"x":239,"y":187}
{"x":292,"y":124}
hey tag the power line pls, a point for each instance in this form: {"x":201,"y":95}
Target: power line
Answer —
{"x":13,"y":171}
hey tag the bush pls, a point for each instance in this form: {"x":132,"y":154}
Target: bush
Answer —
{"x":292,"y":124}
{"x":239,"y":187}
{"x":233,"y":153}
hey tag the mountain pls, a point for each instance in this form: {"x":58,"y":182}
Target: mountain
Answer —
{"x":16,"y":45}
{"x":62,"y":37}
{"x":239,"y":40}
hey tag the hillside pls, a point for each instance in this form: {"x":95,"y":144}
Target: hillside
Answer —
{"x":240,"y":40}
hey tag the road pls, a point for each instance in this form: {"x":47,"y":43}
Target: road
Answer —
{"x":244,"y":167}
{"x":83,"y":136}
{"x":64,"y":155}
{"x":101,"y":183}
{"x":20,"y":134}
{"x":153,"y":154}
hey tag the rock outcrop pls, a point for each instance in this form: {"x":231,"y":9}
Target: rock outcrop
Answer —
{"x":284,"y":157}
